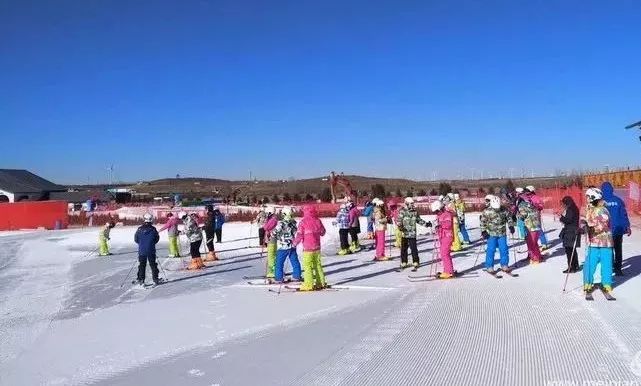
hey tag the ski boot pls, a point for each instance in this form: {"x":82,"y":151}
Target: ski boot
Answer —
{"x":355,"y":248}
{"x":196,"y":263}
{"x":211,"y":256}
{"x":444,"y":275}
{"x":415,"y":267}
{"x":404,"y":265}
{"x":381,"y":258}
{"x":344,"y":252}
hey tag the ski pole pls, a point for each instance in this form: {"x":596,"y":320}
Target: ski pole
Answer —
{"x":567,"y":275}
{"x":90,"y":253}
{"x":128,"y":273}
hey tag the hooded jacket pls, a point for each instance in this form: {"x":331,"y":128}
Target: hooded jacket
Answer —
{"x":619,"y":221}
{"x":146,"y":237}
{"x":570,"y":220}
{"x":192,"y":230}
{"x":310,"y":230}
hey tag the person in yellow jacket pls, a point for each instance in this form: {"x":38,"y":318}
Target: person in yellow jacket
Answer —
{"x":103,"y":237}
{"x":448,"y":201}
{"x":270,"y":224}
{"x":398,"y":234}
{"x":459,"y":205}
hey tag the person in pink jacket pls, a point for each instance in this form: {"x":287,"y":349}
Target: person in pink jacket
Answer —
{"x":310,"y":230}
{"x":270,"y":224}
{"x":354,"y":226}
{"x":171,"y":226}
{"x":445,"y":229}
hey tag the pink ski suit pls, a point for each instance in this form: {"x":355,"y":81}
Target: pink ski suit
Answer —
{"x":310,"y":230}
{"x":445,"y":237}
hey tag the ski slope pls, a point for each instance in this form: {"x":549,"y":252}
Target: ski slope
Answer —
{"x":66,"y":320}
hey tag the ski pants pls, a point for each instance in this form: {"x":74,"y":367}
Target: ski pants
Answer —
{"x":219,"y":235}
{"x":353,"y":232}
{"x":411,"y":244}
{"x":456,"y":243}
{"x":464,"y":235}
{"x":445,"y":253}
{"x":271,"y":260}
{"x":142,"y":267}
{"x":209,"y":235}
{"x":398,"y":237}
{"x":261,"y":236}
{"x":533,"y":250}
{"x":173,"y":246}
{"x":343,"y":235}
{"x":499,"y":242}
{"x":281,"y":256}
{"x":618,"y":252}
{"x":598,"y":255}
{"x":370,"y":226}
{"x":520,"y":224}
{"x":194,"y":249}
{"x":103,"y":246}
{"x":543,"y":239}
{"x":573,"y":260}
{"x":380,"y":243}
{"x":313,"y":275}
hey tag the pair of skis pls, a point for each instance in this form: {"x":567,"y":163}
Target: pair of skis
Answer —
{"x":589,"y":295}
{"x":148,"y":286}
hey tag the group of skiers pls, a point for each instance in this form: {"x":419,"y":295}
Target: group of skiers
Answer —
{"x":604,"y":224}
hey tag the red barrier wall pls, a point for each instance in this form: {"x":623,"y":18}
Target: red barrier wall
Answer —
{"x":33,"y":214}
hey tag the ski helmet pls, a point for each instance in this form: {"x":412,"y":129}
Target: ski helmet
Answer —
{"x":182,"y":215}
{"x":270,"y":210}
{"x":530,"y":189}
{"x":495,"y":202}
{"x":441,"y":197}
{"x":378,"y":202}
{"x":435,"y":206}
{"x":148,"y":218}
{"x":593,"y":194}
{"x":488,"y":200}
{"x":343,"y":206}
{"x":287,"y":212}
{"x":518,"y":190}
{"x":409,"y":201}
{"x":457,"y":196}
{"x":111,"y":224}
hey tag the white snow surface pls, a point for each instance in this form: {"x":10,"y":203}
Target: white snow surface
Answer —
{"x":66,"y":320}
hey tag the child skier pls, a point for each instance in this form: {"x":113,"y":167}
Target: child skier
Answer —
{"x":530,"y":195}
{"x":600,"y":243}
{"x":569,"y":234}
{"x":354,"y":226}
{"x":309,"y":233}
{"x":408,"y":217}
{"x":459,"y":206}
{"x":103,"y":237}
{"x":147,"y":237}
{"x":494,"y":219}
{"x":342,"y":220}
{"x":445,"y":230}
{"x":219,"y":220}
{"x":518,"y":197}
{"x":209,"y":234}
{"x":380,"y":221}
{"x":368,"y":212}
{"x":398,"y":235}
{"x":284,"y":233}
{"x":448,"y":203}
{"x":171,"y":226}
{"x":195,"y":236}
{"x":260,"y":220}
{"x":270,"y":224}
{"x":532,"y":220}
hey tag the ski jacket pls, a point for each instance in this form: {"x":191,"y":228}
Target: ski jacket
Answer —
{"x":368,"y":210}
{"x":146,"y":237}
{"x":192,"y":230}
{"x":269,"y":226}
{"x":284,"y":233}
{"x":342,"y":219}
{"x":171,"y":226}
{"x":104,"y":233}
{"x":618,"y":214}
{"x":354,"y":215}
{"x":380,"y":219}
{"x":407,"y":220}
{"x":310,"y":230}
{"x":535,"y":200}
{"x":570,"y":220}
{"x":459,"y":206}
{"x":209,"y":222}
{"x":494,"y":221}
{"x":598,"y":220}
{"x":530,"y":215}
{"x":261,"y":218}
{"x":445,"y":220}
{"x":219,"y":220}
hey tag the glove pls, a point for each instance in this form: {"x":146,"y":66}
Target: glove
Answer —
{"x":485,"y":235}
{"x":511,"y":228}
{"x":429,"y":224}
{"x":629,"y":232}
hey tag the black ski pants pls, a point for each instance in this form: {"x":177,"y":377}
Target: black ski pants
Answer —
{"x":194,"y":249}
{"x":209,"y":234}
{"x":354,"y":231}
{"x":142,"y":267}
{"x":343,"y":235}
{"x":573,"y":261}
{"x":261,"y":236}
{"x":617,"y":264}
{"x":219,"y":235}
{"x":411,"y":244}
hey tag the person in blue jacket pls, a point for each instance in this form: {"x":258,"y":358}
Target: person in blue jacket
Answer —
{"x":619,"y":224}
{"x":147,"y":237}
{"x":219,"y":220}
{"x":368,"y":212}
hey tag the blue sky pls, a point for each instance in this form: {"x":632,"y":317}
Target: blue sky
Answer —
{"x":299,"y":88}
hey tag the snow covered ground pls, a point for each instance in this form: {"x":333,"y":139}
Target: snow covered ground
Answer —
{"x":65,"y":319}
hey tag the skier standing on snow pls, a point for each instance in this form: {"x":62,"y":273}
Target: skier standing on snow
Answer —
{"x":270,"y":224}
{"x":570,"y":233}
{"x":620,"y":224}
{"x":532,"y":220}
{"x":147,"y":237}
{"x":530,"y":195}
{"x":104,"y":237}
{"x":354,"y":226}
{"x":171,"y":226}
{"x":209,"y":234}
{"x":398,"y":235}
{"x":195,"y":236}
{"x":219,"y":220}
{"x":600,"y":243}
{"x":342,"y":220}
{"x":380,"y":223}
{"x":408,"y":217}
{"x":309,"y":233}
{"x":445,"y":231}
{"x":260,"y":220}
{"x":459,"y":205}
{"x":285,"y":232}
{"x":368,"y":212}
{"x":494,"y":219}
{"x":448,"y":203}
{"x":519,"y":221}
